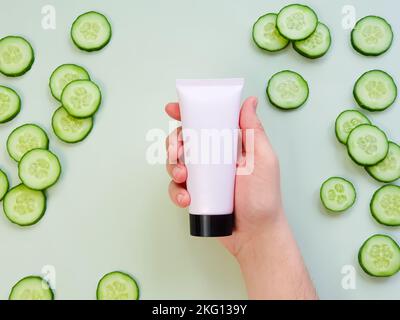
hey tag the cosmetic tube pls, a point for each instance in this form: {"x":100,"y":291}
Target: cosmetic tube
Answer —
{"x":210,"y":130}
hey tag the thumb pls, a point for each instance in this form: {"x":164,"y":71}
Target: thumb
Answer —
{"x":248,"y":115}
{"x":250,"y":122}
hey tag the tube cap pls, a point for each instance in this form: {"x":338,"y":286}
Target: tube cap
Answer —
{"x":211,"y":225}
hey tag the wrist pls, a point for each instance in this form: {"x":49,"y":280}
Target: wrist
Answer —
{"x":265,"y":236}
{"x":272,"y":265}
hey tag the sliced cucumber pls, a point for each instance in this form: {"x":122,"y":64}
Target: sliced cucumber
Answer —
{"x":347,"y":121}
{"x":91,"y":31}
{"x":372,"y":36}
{"x":63,"y":75}
{"x":4,"y":184}
{"x":31,"y":288}
{"x":367,"y":145}
{"x":117,"y":286}
{"x":375,"y":90}
{"x":337,"y":194}
{"x":388,"y":170}
{"x":81,"y":98}
{"x":10,"y":104}
{"x":39,"y":169}
{"x":379,"y":256}
{"x":265,"y":34}
{"x":16,"y":56}
{"x":24,"y":206}
{"x":287,"y":90}
{"x":25,"y":138}
{"x":70,"y":129}
{"x":316,"y":45}
{"x":296,"y":22}
{"x":385,"y":205}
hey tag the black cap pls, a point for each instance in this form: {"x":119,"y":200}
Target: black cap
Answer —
{"x":211,"y":225}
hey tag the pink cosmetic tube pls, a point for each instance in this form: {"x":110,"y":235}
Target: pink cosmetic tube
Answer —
{"x":210,"y":130}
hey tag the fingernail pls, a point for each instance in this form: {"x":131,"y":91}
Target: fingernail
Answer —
{"x":255,"y":102}
{"x":176,"y":171}
{"x":180,"y":198}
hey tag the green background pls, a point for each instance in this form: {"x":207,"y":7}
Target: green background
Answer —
{"x":110,"y":209}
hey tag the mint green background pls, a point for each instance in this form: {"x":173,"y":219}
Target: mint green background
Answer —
{"x":110,"y":210}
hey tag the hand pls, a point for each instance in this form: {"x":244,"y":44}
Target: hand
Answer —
{"x":257,"y":196}
{"x":262,"y":241}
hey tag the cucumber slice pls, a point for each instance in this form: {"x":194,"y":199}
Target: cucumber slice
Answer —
{"x":16,"y":56}
{"x":63,"y":75}
{"x":91,"y":31}
{"x":385,"y":205}
{"x":265,"y":34}
{"x":25,"y":138}
{"x":379,"y":256}
{"x":3,"y":184}
{"x":372,"y":36}
{"x":70,"y":129}
{"x":31,"y":288}
{"x":39,"y":169}
{"x":117,"y":286}
{"x":347,"y":121}
{"x":296,"y":22}
{"x":337,"y":194}
{"x":287,"y":90}
{"x":81,"y":98}
{"x":24,"y":206}
{"x":375,"y":90}
{"x":10,"y":104}
{"x":388,"y":170}
{"x":316,"y":45}
{"x":367,"y":145}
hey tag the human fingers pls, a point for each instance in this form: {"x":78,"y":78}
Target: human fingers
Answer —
{"x":251,"y":124}
{"x":173,"y":110}
{"x":178,"y":194}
